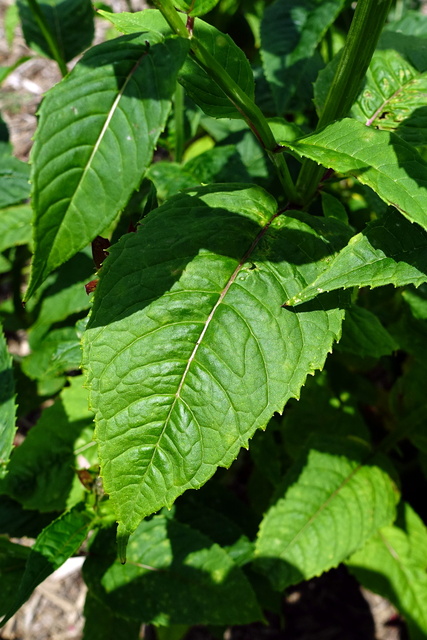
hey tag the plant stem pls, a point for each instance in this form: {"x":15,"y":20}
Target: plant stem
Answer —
{"x":179,"y":122}
{"x":244,"y":105}
{"x":48,"y":36}
{"x":356,"y":55}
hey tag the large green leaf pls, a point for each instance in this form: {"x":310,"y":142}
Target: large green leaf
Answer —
{"x":173,"y":575}
{"x":198,"y":84}
{"x":388,"y":251}
{"x":56,"y":543}
{"x":290,"y":33}
{"x":7,"y":405}
{"x":333,"y":501}
{"x":383,"y":161}
{"x":96,"y":135}
{"x":393,"y":97}
{"x":188,"y":350}
{"x":394,"y":565}
{"x":408,"y":36}
{"x":70,"y":21}
{"x":41,"y":472}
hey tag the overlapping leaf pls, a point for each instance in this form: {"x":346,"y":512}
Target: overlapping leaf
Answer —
{"x":56,"y":543}
{"x":41,"y":473}
{"x":13,"y":558}
{"x":96,"y":136}
{"x":188,"y":349}
{"x":332,"y":504}
{"x":7,"y":405}
{"x":198,"y":84}
{"x":290,"y":33}
{"x":195,"y":7}
{"x":393,"y":97}
{"x":364,"y":335}
{"x":383,"y":161}
{"x":173,"y":575}
{"x":394,"y":565}
{"x":70,"y":22}
{"x":14,"y":185}
{"x":15,"y":226}
{"x":388,"y":251}
{"x":101,"y":623}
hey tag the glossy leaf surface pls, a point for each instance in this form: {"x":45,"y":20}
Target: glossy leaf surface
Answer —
{"x":383,"y":161}
{"x":332,"y":504}
{"x":188,"y":349}
{"x":96,"y":135}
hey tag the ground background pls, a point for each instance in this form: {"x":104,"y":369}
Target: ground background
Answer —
{"x":328,"y":608}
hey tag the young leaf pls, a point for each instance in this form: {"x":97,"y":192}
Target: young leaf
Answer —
{"x":96,"y":135}
{"x":383,"y":161}
{"x":60,"y":540}
{"x":388,"y":251}
{"x":198,"y":84}
{"x":7,"y":405}
{"x":393,"y":98}
{"x":173,"y":575}
{"x":188,"y":350}
{"x":394,"y":564}
{"x":290,"y":33}
{"x":333,"y":501}
{"x":364,"y":335}
{"x":70,"y":22}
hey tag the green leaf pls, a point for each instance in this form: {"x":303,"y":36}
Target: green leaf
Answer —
{"x":333,"y":208}
{"x":43,"y":364}
{"x":195,"y":7}
{"x":408,"y":36}
{"x":392,"y":98}
{"x":220,"y":164}
{"x":393,"y":564}
{"x":173,"y":575}
{"x":41,"y":471}
{"x":70,"y":22}
{"x":15,"y":226}
{"x":340,"y":417}
{"x":6,"y":71}
{"x":334,"y":499}
{"x":364,"y":335}
{"x":7,"y":405}
{"x":388,"y":251}
{"x":101,"y":623}
{"x":56,"y":543}
{"x":112,"y":106}
{"x":290,"y":33}
{"x":198,"y":84}
{"x":187,"y":334}
{"x":381,"y":160}
{"x":13,"y":558}
{"x":14,"y":185}
{"x":18,"y":522}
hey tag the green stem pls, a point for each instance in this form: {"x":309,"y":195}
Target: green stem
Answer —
{"x":179,"y":122}
{"x":48,"y":36}
{"x":357,"y":53}
{"x":248,"y":109}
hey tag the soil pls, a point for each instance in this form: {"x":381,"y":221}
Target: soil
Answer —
{"x":331,"y":607}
